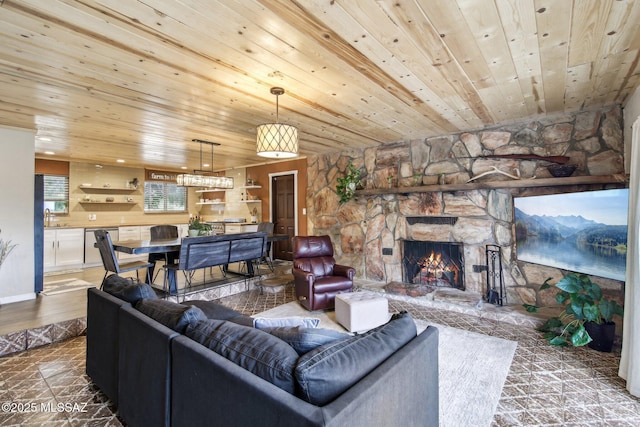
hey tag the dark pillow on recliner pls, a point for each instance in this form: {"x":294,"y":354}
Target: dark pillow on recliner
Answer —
{"x":126,"y":289}
{"x":170,"y":314}
{"x":218,"y":311}
{"x":258,"y":352}
{"x":326,"y":372}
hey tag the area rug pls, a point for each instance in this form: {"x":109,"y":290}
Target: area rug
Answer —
{"x":66,"y":285}
{"x":472,"y":367}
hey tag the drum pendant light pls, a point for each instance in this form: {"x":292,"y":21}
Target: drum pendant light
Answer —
{"x":277,"y":140}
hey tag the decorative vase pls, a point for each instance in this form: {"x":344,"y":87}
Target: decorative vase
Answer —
{"x":194,"y":233}
{"x":602,"y":335}
{"x":560,"y":171}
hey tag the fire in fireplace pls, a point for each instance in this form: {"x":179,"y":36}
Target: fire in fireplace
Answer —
{"x":436,"y":264}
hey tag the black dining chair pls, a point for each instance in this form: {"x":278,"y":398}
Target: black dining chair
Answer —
{"x":161,"y":232}
{"x":110,"y":261}
{"x":267,"y":227}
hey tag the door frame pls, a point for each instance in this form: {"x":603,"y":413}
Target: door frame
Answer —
{"x":295,"y":196}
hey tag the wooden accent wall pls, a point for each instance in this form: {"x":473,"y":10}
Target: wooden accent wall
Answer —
{"x":260,"y":174}
{"x":51,"y":167}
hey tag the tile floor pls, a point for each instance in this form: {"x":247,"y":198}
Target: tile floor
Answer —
{"x":546,"y":386}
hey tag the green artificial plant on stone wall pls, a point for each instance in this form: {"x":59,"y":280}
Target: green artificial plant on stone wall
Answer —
{"x":349,"y":183}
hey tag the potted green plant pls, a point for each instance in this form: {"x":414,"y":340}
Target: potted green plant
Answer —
{"x":348,"y":184}
{"x":587,"y":317}
{"x":197,"y":228}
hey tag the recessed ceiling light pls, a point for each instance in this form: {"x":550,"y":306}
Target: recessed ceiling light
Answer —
{"x":51,"y":153}
{"x":45,"y":139}
{"x":183,"y":167}
{"x":120,"y":161}
{"x":206,"y":165}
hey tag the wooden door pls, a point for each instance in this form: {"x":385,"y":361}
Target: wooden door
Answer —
{"x":284,"y":215}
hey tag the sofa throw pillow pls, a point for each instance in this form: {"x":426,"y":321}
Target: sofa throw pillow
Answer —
{"x":258,"y":352}
{"x":265,"y":322}
{"x":327,"y":371}
{"x":304,"y":339}
{"x":170,"y":314}
{"x":127,"y":289}
{"x":220,"y":312}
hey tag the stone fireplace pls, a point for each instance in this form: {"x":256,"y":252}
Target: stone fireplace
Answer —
{"x":404,"y":198}
{"x":436,"y":264}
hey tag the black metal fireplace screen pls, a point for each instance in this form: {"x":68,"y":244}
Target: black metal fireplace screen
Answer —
{"x":438,"y":264}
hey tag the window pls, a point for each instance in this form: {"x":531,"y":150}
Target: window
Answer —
{"x":56,"y":193}
{"x":160,"y":196}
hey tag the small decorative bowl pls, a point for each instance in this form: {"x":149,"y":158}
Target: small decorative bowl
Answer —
{"x":561,"y":171}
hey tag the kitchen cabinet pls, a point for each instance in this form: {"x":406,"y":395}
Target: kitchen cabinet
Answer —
{"x":145,"y":232}
{"x":232,"y":228}
{"x":239,"y":228}
{"x":63,"y":248}
{"x":130,"y":233}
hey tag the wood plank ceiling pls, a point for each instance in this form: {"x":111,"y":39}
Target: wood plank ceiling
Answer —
{"x":100,"y":80}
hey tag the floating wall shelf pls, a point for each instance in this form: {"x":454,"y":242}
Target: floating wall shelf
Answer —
{"x":490,"y":185}
{"x":106,"y":203}
{"x":92,"y":188}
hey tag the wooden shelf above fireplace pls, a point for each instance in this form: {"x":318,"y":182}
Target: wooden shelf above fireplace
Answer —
{"x":491,"y":185}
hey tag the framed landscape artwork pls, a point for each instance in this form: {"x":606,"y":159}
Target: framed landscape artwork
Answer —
{"x":584,"y":232}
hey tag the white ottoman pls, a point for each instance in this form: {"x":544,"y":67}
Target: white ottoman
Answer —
{"x":361,"y":311}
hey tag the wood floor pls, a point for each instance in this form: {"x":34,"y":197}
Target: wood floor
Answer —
{"x":48,"y":309}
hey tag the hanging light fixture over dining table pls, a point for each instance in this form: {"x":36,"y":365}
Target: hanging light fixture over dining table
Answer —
{"x":199,"y":179}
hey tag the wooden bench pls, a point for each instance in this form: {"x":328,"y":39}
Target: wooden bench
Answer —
{"x":211,"y":251}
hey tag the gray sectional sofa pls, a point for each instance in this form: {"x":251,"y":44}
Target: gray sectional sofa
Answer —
{"x":200,"y":363}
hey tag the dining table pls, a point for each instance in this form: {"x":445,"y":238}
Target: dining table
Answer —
{"x":162,"y":246}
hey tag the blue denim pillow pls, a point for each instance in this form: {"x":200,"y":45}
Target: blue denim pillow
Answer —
{"x":329,"y":370}
{"x":304,"y":339}
{"x":267,"y":322}
{"x":126,"y":289}
{"x":258,"y":352}
{"x":172,"y":315}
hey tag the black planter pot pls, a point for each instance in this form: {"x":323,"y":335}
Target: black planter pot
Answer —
{"x":602,"y":335}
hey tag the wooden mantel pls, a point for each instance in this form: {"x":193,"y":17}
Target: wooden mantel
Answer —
{"x":491,"y":185}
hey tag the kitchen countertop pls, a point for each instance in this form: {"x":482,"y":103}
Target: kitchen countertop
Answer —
{"x":68,"y":226}
{"x":64,"y":225}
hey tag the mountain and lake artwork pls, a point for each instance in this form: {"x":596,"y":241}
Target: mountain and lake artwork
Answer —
{"x":584,"y":232}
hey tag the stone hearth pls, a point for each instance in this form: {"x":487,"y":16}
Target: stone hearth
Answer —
{"x":459,"y":301}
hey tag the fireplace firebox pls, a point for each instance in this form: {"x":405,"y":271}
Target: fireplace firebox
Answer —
{"x":436,"y":264}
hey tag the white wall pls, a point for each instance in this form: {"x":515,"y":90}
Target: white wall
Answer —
{"x":16,"y":213}
{"x":631,"y":113}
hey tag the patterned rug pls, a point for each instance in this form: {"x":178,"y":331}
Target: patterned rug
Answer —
{"x":65,"y":285}
{"x":473,"y":367}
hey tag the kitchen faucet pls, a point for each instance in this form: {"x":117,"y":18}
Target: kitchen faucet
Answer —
{"x":47,"y":217}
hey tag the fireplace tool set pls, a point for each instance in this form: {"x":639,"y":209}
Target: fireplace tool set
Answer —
{"x":495,"y":285}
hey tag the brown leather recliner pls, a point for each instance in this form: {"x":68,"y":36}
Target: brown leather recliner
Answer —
{"x":317,"y":277}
